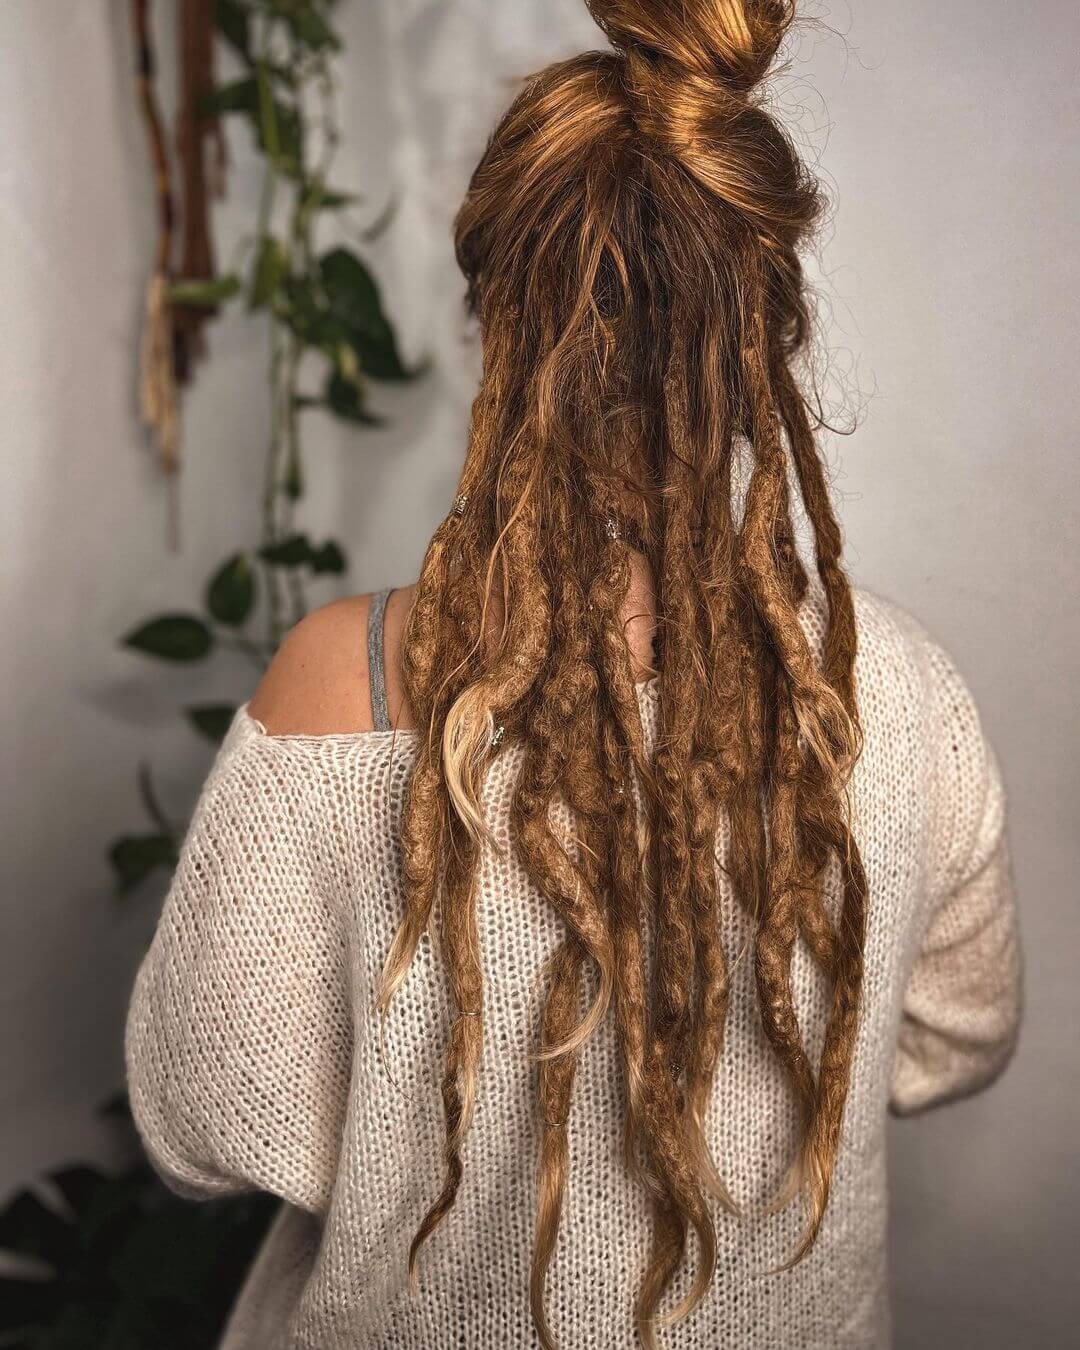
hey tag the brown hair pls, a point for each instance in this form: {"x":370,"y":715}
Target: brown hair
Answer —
{"x":630,"y":240}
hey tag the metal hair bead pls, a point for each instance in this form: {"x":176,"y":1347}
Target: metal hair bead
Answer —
{"x":611,"y":528}
{"x":497,"y":736}
{"x":460,"y":503}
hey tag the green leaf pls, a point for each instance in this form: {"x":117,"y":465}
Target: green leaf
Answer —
{"x":298,"y":551}
{"x":29,"y":1227}
{"x":230,"y":596}
{"x":328,"y":560}
{"x":135,"y":856}
{"x":80,"y":1186}
{"x":307,"y":24}
{"x":344,"y":311}
{"x":309,"y":319}
{"x":211,"y":720}
{"x":268,"y":274}
{"x":206,"y":294}
{"x":379,"y":358}
{"x":351,"y":290}
{"x":354,"y":299}
{"x":345,"y":399}
{"x":172,"y":637}
{"x":294,"y":551}
{"x":313,"y":29}
{"x":236,"y":96}
{"x":233,"y":23}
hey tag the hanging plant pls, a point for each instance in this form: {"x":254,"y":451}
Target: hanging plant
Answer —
{"x":117,"y":1260}
{"x":329,"y":337}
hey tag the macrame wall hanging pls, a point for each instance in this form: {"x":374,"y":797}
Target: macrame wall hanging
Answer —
{"x":173,"y":337}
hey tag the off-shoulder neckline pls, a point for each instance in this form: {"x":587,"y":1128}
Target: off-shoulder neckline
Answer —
{"x":259,"y":729}
{"x":646,"y":689}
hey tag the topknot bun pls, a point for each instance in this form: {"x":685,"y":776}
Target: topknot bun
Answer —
{"x":732,"y":42}
{"x":688,"y":69}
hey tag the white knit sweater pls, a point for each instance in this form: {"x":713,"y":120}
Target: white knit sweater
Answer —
{"x":254,"y":1058}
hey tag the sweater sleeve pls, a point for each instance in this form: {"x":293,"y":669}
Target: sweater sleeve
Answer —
{"x":962,"y":1003}
{"x":238,"y":1041}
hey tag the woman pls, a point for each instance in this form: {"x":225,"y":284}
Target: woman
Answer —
{"x":712,"y":849}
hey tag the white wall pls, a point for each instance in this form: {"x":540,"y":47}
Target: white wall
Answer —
{"x":952,"y":275}
{"x":956,"y":164}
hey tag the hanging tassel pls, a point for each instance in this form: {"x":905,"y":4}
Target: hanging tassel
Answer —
{"x":159,"y":395}
{"x":172,"y":334}
{"x":159,"y":403}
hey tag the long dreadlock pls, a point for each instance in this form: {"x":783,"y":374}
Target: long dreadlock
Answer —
{"x":630,"y":240}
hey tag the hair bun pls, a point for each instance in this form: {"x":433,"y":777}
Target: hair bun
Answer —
{"x":688,"y":69}
{"x":729,"y":42}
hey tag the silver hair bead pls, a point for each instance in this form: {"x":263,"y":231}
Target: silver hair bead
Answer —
{"x":460,"y":503}
{"x":497,"y":736}
{"x":611,"y":528}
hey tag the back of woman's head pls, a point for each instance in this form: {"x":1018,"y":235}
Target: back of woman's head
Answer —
{"x":630,"y":241}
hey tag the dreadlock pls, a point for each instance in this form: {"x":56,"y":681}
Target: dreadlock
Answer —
{"x":630,"y":242}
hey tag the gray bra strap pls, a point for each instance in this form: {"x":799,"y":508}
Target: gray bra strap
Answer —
{"x":376,"y":661}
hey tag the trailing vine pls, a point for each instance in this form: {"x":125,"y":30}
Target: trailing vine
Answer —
{"x":328,"y":336}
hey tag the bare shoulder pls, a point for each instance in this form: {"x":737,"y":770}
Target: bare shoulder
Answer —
{"x":317,"y":683}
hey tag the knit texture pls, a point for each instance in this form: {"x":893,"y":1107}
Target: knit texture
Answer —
{"x":255,"y":1061}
